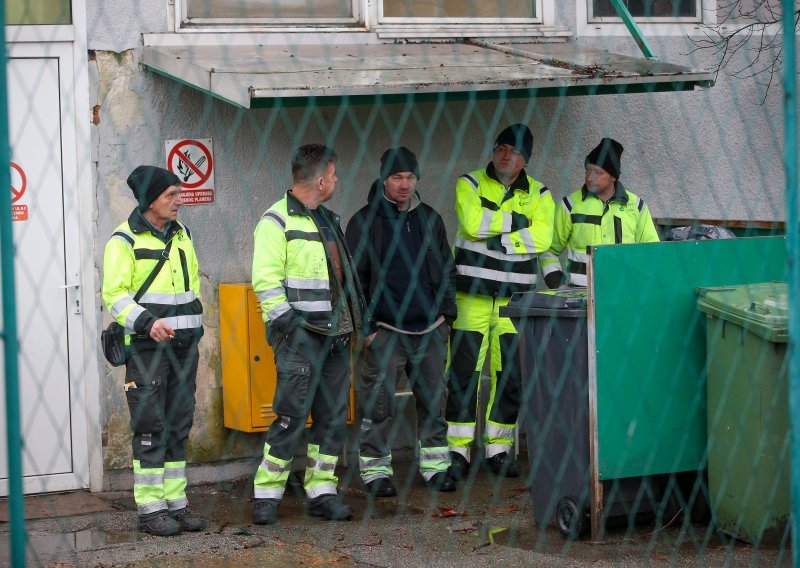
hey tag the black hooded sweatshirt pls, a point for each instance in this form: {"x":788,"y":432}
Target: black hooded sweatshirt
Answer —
{"x":404,"y":263}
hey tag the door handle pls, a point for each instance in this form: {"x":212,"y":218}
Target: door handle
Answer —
{"x":76,"y":282}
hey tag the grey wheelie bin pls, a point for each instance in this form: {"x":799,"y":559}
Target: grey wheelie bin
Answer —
{"x":749,"y":450}
{"x":554,"y":361}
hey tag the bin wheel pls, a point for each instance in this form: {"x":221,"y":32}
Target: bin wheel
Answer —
{"x":570,"y":518}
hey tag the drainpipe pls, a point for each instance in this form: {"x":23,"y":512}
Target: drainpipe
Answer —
{"x":637,"y":34}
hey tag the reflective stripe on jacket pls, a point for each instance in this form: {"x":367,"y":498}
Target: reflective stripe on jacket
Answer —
{"x":130,"y":256}
{"x":583,"y":220}
{"x":501,"y":231}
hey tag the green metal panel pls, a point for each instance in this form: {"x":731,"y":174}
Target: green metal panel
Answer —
{"x":456,"y":96}
{"x":651,"y":348}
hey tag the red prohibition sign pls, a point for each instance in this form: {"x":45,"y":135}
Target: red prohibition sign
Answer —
{"x":176,"y":152}
{"x":16,"y":194}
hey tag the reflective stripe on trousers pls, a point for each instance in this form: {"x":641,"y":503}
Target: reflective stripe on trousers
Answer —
{"x":320,"y":478}
{"x":175,"y":485}
{"x":271,"y":476}
{"x":148,"y":489}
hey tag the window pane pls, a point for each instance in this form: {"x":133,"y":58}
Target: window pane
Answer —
{"x":289,"y":9}
{"x":459,"y":8}
{"x":38,"y":12}
{"x":649,"y":8}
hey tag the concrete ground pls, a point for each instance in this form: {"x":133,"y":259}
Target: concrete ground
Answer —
{"x":487,"y":521}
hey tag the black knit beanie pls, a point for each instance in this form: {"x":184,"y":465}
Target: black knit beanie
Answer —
{"x":148,"y":182}
{"x":607,"y":155}
{"x":519,"y":136}
{"x":399,"y":159}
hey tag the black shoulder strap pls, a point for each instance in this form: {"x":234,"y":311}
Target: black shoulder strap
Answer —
{"x":154,"y":273}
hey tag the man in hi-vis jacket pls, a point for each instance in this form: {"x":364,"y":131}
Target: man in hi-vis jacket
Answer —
{"x":505,"y":220}
{"x":312,"y":304}
{"x":162,"y":330}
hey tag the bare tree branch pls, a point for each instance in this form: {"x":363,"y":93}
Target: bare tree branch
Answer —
{"x":746,"y":41}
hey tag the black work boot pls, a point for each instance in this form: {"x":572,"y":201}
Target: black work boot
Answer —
{"x":459,"y":466}
{"x":330,"y":507}
{"x":503,"y":465}
{"x":265,"y":511}
{"x":159,"y":524}
{"x":381,"y":487}
{"x":441,"y":482}
{"x":189,"y":522}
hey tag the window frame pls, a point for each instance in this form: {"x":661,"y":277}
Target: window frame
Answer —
{"x":650,"y":27}
{"x":653,"y":19}
{"x":367,"y":17}
{"x":395,"y":20}
{"x":182,"y":22}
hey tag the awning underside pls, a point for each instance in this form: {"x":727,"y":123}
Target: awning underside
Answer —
{"x":262,"y":76}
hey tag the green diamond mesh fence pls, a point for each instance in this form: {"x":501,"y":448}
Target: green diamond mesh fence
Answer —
{"x":414,"y":282}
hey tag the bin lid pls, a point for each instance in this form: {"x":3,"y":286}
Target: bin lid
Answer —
{"x":563,"y":302}
{"x":761,"y":308}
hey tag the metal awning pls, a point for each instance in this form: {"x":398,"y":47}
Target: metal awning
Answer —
{"x":295,"y":75}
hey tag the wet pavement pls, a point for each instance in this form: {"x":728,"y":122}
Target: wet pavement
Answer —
{"x":487,"y":521}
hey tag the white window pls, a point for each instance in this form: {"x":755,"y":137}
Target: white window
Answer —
{"x":260,"y":12}
{"x":648,"y":10}
{"x":431,"y":18}
{"x":461,"y":10}
{"x":654,"y":17}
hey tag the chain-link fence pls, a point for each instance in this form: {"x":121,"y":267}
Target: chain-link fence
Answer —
{"x":475,"y":281}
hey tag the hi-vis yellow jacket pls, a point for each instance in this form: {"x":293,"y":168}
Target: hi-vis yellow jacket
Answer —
{"x":174,"y":296}
{"x":501,"y":232}
{"x":583,"y":220}
{"x":292,"y":271}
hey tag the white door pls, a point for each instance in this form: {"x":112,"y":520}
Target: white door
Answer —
{"x":47,"y":263}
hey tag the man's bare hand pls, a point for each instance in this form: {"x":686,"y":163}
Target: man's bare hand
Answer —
{"x":370,"y":338}
{"x":161,"y":331}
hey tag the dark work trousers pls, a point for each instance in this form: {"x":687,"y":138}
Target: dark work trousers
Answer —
{"x":162,"y":404}
{"x":423,"y":358}
{"x":313,"y":379}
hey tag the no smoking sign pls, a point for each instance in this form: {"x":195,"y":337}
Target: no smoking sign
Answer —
{"x":193,"y":162}
{"x":19,"y":183}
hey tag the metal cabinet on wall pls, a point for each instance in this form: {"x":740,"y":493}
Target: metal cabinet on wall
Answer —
{"x":248,"y":364}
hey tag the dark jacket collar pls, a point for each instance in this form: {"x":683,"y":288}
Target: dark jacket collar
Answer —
{"x":139,"y":225}
{"x":296,"y":207}
{"x":520,"y":183}
{"x":383,"y":206}
{"x":620,"y":193}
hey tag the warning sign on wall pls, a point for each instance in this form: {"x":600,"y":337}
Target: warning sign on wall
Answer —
{"x":19,"y":183}
{"x":192,"y":161}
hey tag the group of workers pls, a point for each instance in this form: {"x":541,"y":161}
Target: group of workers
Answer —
{"x":391,"y":281}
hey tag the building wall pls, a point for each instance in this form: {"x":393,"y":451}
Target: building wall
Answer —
{"x":713,"y":154}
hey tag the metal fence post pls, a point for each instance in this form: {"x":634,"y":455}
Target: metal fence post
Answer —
{"x":9,"y":331}
{"x":793,"y":254}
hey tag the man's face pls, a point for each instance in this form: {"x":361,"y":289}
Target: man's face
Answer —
{"x":328,"y":182}
{"x":165,"y":207}
{"x":507,"y":161}
{"x":399,"y":187}
{"x":598,"y":180}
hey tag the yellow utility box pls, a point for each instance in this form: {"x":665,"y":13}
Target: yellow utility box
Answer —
{"x":248,"y":365}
